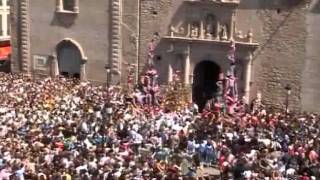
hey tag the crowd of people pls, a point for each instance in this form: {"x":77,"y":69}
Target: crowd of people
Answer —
{"x":62,"y":129}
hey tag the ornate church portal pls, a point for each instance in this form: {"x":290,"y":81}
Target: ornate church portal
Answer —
{"x":204,"y":30}
{"x":204,"y":87}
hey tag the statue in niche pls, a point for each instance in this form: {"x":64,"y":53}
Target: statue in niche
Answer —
{"x":224,"y":33}
{"x":239,"y":35}
{"x":194,"y":30}
{"x":210,"y":26}
{"x":176,"y":31}
{"x":250,"y":36}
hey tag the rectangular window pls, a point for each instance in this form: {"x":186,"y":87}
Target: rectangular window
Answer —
{"x":68,"y":5}
{"x":1,"y":4}
{"x":8,"y":2}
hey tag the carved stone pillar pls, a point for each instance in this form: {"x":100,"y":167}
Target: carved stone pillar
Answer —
{"x":187,"y":66}
{"x":116,"y":43}
{"x":217,"y":31}
{"x":83,"y":76}
{"x":232,"y":25}
{"x":201,"y":29}
{"x":248,"y":78}
{"x":188,"y":30}
{"x":25,"y":37}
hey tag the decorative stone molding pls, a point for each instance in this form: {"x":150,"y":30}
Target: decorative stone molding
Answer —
{"x":116,"y":14}
{"x":55,"y":67}
{"x":74,"y":42}
{"x":25,"y":36}
{"x":244,"y":44}
{"x":216,"y":2}
{"x":14,"y":15}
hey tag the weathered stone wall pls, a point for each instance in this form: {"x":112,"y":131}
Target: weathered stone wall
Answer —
{"x":310,"y":94}
{"x":285,"y":29}
{"x":279,"y":28}
{"x":154,"y":17}
{"x":130,"y":24}
{"x":280,"y":59}
{"x":90,"y":28}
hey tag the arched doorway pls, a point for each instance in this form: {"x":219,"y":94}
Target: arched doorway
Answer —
{"x":206,"y":74}
{"x":69,"y":59}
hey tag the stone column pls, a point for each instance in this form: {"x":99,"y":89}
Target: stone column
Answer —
{"x":201,"y":29}
{"x":83,"y":76}
{"x":248,"y":78}
{"x":232,"y":24}
{"x":187,"y":67}
{"x":217,"y":30}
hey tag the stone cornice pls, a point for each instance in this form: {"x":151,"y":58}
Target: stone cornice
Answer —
{"x":248,"y":45}
{"x":233,"y":3}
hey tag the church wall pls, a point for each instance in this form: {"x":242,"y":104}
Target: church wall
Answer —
{"x":90,"y":28}
{"x":310,"y":94}
{"x":287,"y":36}
{"x":279,"y":28}
{"x":155,"y":17}
{"x":129,"y":28}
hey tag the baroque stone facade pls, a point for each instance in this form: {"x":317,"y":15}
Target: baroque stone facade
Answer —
{"x":274,"y":41}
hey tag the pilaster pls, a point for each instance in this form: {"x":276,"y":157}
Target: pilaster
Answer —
{"x":24,"y":36}
{"x":232,"y":24}
{"x":187,"y":67}
{"x":83,"y":76}
{"x":14,"y":15}
{"x":116,"y":56}
{"x":248,"y":78}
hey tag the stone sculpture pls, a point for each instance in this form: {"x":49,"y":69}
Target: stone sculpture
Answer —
{"x":210,"y":27}
{"x":176,"y":31}
{"x":250,"y":36}
{"x":223,"y":33}
{"x":194,"y":31}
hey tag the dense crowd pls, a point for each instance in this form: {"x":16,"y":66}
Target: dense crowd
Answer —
{"x":62,"y":129}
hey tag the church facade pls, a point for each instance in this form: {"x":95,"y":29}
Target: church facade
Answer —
{"x":276,"y":43}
